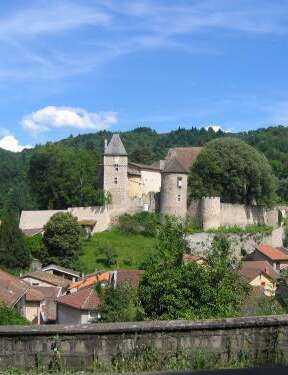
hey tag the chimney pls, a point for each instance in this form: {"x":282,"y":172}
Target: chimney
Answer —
{"x":105,"y":145}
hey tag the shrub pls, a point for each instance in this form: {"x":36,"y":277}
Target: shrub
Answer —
{"x":144,"y":223}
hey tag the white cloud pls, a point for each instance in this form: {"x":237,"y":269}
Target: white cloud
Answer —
{"x":11,"y":143}
{"x":52,"y":117}
{"x":218,"y":128}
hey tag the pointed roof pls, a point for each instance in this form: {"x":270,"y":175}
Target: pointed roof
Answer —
{"x":115,"y":147}
{"x":84,"y":299}
{"x":174,"y":166}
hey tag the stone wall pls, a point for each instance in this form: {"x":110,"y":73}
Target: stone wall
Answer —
{"x":210,"y":213}
{"x":79,"y":346}
{"x":242,"y":243}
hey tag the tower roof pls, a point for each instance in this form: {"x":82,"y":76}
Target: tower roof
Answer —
{"x":180,"y":159}
{"x":115,"y":147}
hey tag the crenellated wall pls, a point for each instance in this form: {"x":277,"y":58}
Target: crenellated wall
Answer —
{"x":210,"y":213}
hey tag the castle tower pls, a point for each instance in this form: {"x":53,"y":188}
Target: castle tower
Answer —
{"x":115,"y":173}
{"x":174,"y":189}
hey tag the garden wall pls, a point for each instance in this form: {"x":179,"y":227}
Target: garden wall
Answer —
{"x":260,"y":338}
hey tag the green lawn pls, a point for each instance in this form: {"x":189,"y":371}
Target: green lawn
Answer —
{"x":131,"y":250}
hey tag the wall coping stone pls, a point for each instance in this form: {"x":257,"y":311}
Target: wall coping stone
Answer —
{"x":148,"y":326}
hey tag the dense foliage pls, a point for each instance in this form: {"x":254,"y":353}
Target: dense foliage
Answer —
{"x":120,"y":304}
{"x":233,"y":170}
{"x":145,"y":223}
{"x":171,"y":289}
{"x":61,"y":177}
{"x":14,"y":253}
{"x":9,"y":316}
{"x":62,"y":239}
{"x":63,"y":180}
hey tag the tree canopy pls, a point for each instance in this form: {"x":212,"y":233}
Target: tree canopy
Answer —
{"x":62,"y":239}
{"x":233,"y":170}
{"x":14,"y":253}
{"x":171,"y":289}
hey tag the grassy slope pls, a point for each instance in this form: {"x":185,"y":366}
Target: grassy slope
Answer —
{"x":137,"y":247}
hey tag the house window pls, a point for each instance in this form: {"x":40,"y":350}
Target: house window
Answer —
{"x":179,"y":182}
{"x":179,"y":198}
{"x":277,"y":265}
{"x":115,"y":180}
{"x":116,"y":166}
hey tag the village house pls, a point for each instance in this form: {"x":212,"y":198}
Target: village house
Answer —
{"x":260,"y":274}
{"x":46,"y":279}
{"x":13,"y":291}
{"x":103,"y":278}
{"x":131,"y":277}
{"x":80,"y":307}
{"x":62,"y":272}
{"x":277,"y":257}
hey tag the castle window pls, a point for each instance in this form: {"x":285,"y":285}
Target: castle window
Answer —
{"x":178,"y":197}
{"x":179,"y":182}
{"x":116,"y":166}
{"x":115,"y":180}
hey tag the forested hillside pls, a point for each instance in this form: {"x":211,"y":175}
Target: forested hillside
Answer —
{"x":66,"y":173}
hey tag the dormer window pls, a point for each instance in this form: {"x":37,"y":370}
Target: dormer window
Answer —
{"x":115,"y":180}
{"x":179,"y":182}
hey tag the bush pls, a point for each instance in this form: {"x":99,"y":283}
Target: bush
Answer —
{"x":37,"y":248}
{"x":9,"y":316}
{"x":144,"y":223}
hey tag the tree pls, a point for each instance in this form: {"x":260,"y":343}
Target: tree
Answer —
{"x":233,"y":170}
{"x":37,"y":248}
{"x":62,"y":239}
{"x":120,"y":304}
{"x":14,"y":253}
{"x":10,"y":316}
{"x":61,"y":177}
{"x":174,"y":290}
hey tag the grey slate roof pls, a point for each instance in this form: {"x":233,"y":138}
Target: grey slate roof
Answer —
{"x":115,"y":147}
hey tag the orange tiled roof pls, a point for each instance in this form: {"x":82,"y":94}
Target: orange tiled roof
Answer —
{"x":91,"y":280}
{"x":271,"y":252}
{"x":83,"y":299}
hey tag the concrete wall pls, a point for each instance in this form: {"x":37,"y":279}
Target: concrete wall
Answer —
{"x":173,"y":198}
{"x":260,"y":338}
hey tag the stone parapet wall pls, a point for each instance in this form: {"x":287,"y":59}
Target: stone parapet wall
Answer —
{"x":79,"y":346}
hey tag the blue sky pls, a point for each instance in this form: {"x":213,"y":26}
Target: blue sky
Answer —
{"x":70,"y":67}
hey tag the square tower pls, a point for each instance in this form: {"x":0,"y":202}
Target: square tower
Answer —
{"x":115,"y":173}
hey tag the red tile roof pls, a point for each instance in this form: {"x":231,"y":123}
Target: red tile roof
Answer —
{"x":83,"y":299}
{"x":34,"y":295}
{"x":11,"y":288}
{"x":271,"y":252}
{"x":129,"y":276}
{"x":253,"y":268}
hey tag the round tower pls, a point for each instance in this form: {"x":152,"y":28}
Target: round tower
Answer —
{"x":211,"y":212}
{"x":174,"y":190}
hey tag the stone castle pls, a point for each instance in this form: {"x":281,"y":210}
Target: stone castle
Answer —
{"x":163,"y":186}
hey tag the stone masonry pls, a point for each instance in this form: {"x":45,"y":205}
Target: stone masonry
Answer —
{"x":259,"y":338}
